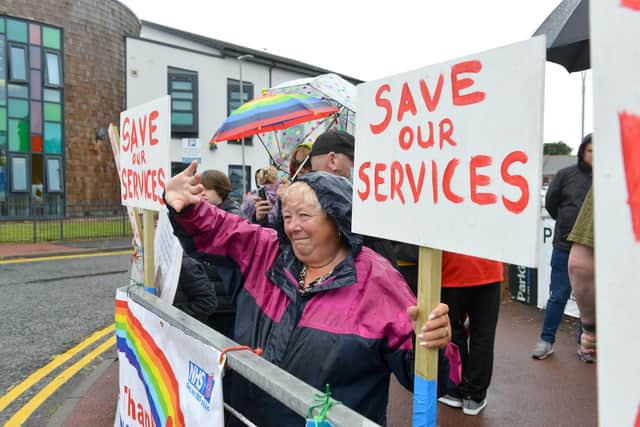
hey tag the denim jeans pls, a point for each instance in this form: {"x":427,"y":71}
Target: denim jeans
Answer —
{"x":560,"y":291}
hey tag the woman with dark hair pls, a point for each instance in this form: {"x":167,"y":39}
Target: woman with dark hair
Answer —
{"x":217,"y":187}
{"x":318,"y":302}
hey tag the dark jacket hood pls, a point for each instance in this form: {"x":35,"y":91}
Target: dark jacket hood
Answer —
{"x":335,"y":193}
{"x":582,"y":165}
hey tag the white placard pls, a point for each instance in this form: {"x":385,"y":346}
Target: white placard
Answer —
{"x":166,"y":377}
{"x":145,"y":135}
{"x":615,"y":59}
{"x":167,"y":258}
{"x":449,"y":156}
{"x":544,"y":269}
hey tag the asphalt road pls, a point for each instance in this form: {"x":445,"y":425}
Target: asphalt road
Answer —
{"x":47,"y":308}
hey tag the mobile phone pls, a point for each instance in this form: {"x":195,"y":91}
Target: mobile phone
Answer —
{"x":262,"y":193}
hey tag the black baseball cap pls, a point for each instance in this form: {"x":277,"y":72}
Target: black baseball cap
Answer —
{"x":337,"y":141}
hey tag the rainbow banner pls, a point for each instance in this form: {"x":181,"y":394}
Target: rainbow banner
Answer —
{"x":167,"y":379}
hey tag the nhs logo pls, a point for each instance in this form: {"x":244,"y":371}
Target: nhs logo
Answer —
{"x":200,"y":384}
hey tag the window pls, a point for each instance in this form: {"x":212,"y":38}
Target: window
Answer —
{"x":183,"y":88}
{"x":18,"y":173}
{"x":52,"y":74}
{"x":235,"y":175}
{"x":32,"y":146}
{"x":17,"y":63}
{"x":233,"y":101}
{"x":54,"y":175}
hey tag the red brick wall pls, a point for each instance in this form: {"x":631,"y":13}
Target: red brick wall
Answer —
{"x":94,"y":86}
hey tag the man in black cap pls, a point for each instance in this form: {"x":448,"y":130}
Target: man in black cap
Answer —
{"x":333,"y":152}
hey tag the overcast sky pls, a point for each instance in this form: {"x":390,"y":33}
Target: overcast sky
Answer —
{"x":374,"y":39}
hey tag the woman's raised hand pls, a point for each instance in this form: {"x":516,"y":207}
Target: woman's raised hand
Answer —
{"x":184,"y":189}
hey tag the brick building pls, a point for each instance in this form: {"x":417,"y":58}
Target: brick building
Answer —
{"x":61,"y":82}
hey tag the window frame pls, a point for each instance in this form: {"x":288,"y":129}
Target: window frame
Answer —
{"x":25,"y":49}
{"x":47,"y":185}
{"x":179,"y":74}
{"x":45,"y":68}
{"x":236,"y":193}
{"x":27,"y":158}
{"x":232,"y":84}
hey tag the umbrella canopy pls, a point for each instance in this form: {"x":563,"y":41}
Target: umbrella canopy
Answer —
{"x":328,"y":87}
{"x":271,"y":112}
{"x":567,"y":31}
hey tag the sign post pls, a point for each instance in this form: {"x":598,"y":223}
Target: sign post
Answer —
{"x":448,"y":157}
{"x":145,"y":133}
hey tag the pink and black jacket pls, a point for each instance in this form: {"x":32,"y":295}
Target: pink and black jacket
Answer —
{"x":351,"y":332}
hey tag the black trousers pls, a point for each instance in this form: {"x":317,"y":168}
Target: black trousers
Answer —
{"x":482,"y":305}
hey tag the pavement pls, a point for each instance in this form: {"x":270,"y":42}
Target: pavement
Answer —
{"x":558,"y":391}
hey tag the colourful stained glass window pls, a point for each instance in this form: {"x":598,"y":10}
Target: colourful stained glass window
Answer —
{"x":36,"y":117}
{"x":34,"y":57}
{"x":51,"y":37}
{"x":36,"y":143}
{"x":18,"y":91}
{"x":36,"y":87}
{"x":52,"y":138}
{"x":52,"y":112}
{"x":3,"y":119}
{"x":34,"y":34}
{"x":19,"y":135}
{"x":52,"y":95}
{"x":16,"y":30}
{"x":18,"y":109}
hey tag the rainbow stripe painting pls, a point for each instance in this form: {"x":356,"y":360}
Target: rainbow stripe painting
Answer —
{"x":152,"y":367}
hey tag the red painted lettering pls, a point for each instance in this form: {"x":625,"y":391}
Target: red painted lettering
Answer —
{"x":364,"y":178}
{"x":478,"y":180}
{"x":405,"y":138}
{"x":406,"y":102}
{"x":142,"y":128}
{"x":458,"y":84}
{"x":386,"y":104}
{"x":124,"y":142}
{"x":434,"y":181}
{"x":397,"y":177}
{"x":429,"y":102}
{"x":416,"y":189}
{"x":429,"y":141}
{"x":446,"y":181}
{"x":378,"y":181}
{"x":445,"y":134}
{"x":152,"y":127}
{"x":516,"y":180}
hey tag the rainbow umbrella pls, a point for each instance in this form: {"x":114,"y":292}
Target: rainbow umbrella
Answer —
{"x":270,"y":113}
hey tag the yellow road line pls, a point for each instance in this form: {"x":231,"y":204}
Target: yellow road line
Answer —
{"x":25,"y":412}
{"x":52,"y":258}
{"x":48,"y":368}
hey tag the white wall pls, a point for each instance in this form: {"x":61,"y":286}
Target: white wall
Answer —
{"x":146,"y":77}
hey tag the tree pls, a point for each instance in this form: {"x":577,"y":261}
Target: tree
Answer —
{"x":556,"y":148}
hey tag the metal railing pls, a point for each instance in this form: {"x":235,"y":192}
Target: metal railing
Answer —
{"x":281,"y":385}
{"x":86,"y":221}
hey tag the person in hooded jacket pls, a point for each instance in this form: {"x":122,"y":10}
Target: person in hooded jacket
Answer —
{"x":313,"y":298}
{"x":195,"y":294}
{"x":563,"y":201}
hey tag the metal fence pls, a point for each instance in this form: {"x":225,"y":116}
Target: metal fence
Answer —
{"x":281,"y":385}
{"x":86,"y":221}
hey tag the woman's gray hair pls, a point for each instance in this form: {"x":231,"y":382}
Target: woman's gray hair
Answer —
{"x":304,"y":192}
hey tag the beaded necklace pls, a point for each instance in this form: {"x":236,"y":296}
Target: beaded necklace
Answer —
{"x":307,"y":290}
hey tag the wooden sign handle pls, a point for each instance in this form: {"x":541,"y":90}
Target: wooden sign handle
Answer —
{"x":426,"y":362}
{"x":148,"y":228}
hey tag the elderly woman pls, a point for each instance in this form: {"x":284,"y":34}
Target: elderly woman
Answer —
{"x":322,"y":306}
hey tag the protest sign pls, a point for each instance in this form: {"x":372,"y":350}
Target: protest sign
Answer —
{"x":145,"y":135}
{"x":167,"y":261}
{"x":167,"y":378}
{"x":449,"y":156}
{"x":615,"y":59}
